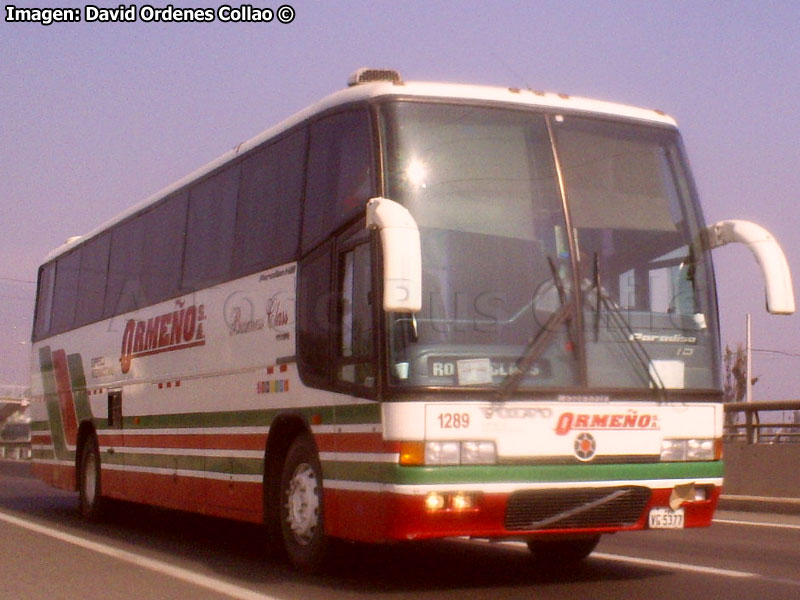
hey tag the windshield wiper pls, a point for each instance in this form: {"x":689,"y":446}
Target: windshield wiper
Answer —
{"x":620,"y":324}
{"x":542,"y":340}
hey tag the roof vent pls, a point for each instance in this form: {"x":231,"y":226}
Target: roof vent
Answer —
{"x":365,"y":75}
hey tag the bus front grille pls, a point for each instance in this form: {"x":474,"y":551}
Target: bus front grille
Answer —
{"x":575,"y":508}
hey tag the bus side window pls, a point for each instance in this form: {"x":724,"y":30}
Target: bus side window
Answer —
{"x":314,"y":317}
{"x":66,"y":292}
{"x":268,"y":208}
{"x":355,"y":320}
{"x":208,"y":254}
{"x":44,"y":301}
{"x":339,"y":179}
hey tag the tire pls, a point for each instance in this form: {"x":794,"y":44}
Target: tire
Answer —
{"x":301,"y":511}
{"x":562,"y":552}
{"x":89,"y":486}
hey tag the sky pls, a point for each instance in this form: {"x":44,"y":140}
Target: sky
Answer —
{"x":94,"y":117}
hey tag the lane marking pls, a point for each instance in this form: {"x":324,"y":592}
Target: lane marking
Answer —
{"x":672,"y":565}
{"x":649,"y":562}
{"x":192,"y":577}
{"x":757,"y":524}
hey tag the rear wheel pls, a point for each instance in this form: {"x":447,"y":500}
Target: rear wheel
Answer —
{"x":301,"y":514}
{"x":89,"y":487}
{"x":562,"y":552}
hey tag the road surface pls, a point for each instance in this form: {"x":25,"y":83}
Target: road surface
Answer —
{"x":48,"y":551}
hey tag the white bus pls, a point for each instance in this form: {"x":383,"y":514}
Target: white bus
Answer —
{"x":412,"y":310}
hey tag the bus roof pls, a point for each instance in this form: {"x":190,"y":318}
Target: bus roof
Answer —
{"x":362,"y":92}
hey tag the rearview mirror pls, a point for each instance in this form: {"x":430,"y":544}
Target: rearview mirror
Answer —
{"x":402,"y":255}
{"x":768,"y":254}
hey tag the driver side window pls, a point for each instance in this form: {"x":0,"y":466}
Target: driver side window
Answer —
{"x":356,"y":348}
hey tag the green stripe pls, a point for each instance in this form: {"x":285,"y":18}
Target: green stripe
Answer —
{"x":326,"y":415}
{"x":37,"y":454}
{"x":243,"y":418}
{"x":78,"y":378}
{"x":236,"y":466}
{"x":160,"y":461}
{"x":391,"y":473}
{"x":357,"y":414}
{"x":361,"y":471}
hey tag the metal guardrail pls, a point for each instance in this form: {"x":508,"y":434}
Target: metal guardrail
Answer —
{"x":745,"y":422}
{"x":17,"y":450}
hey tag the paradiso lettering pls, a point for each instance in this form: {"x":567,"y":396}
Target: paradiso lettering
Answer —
{"x":176,"y":330}
{"x":570,"y":421}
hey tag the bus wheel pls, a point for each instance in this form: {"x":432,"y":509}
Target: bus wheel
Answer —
{"x":301,"y":505}
{"x":562,"y":552}
{"x":89,"y":479}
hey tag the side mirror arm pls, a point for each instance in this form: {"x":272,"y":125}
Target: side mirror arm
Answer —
{"x":402,"y":255}
{"x":768,"y":254}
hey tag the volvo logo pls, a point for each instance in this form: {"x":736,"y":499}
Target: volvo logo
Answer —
{"x":585,"y":446}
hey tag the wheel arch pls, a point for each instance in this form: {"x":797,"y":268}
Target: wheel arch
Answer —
{"x":283,"y":430}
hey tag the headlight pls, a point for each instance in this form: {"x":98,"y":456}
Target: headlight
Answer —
{"x":448,"y":453}
{"x":478,"y":453}
{"x":688,"y":450}
{"x":442,"y":453}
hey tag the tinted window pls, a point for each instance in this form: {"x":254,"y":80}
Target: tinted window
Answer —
{"x":163,"y":241}
{"x":314,"y":315}
{"x":92,"y":280}
{"x":125,"y":291}
{"x":66,"y":292}
{"x":339,"y":175}
{"x":356,"y":351}
{"x":209,"y":235}
{"x":268,"y":215}
{"x":44,"y":302}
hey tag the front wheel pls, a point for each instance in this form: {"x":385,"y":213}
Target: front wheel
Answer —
{"x":301,"y":513}
{"x":562,"y":552}
{"x":89,"y":488}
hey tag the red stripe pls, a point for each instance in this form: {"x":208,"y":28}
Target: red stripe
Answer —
{"x":233,"y":500}
{"x":65,"y":398}
{"x":60,"y":476}
{"x":353,"y":442}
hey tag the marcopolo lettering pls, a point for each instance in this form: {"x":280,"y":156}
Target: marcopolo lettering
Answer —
{"x":517,"y":412}
{"x":176,"y":330}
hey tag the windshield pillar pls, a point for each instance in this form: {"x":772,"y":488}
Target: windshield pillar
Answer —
{"x":576,"y":320}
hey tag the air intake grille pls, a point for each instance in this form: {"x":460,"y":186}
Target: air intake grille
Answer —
{"x":575,"y":508}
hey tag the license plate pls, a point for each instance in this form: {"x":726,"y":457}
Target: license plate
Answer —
{"x":666,"y":518}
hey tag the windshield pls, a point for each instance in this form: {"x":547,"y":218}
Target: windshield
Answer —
{"x":513,"y":298}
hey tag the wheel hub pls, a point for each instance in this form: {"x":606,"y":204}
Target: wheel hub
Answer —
{"x":90,"y":478}
{"x":303,"y":504}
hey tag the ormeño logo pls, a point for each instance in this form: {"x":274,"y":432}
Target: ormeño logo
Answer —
{"x":176,"y":330}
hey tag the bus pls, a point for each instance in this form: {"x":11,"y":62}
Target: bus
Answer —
{"x":412,"y":310}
